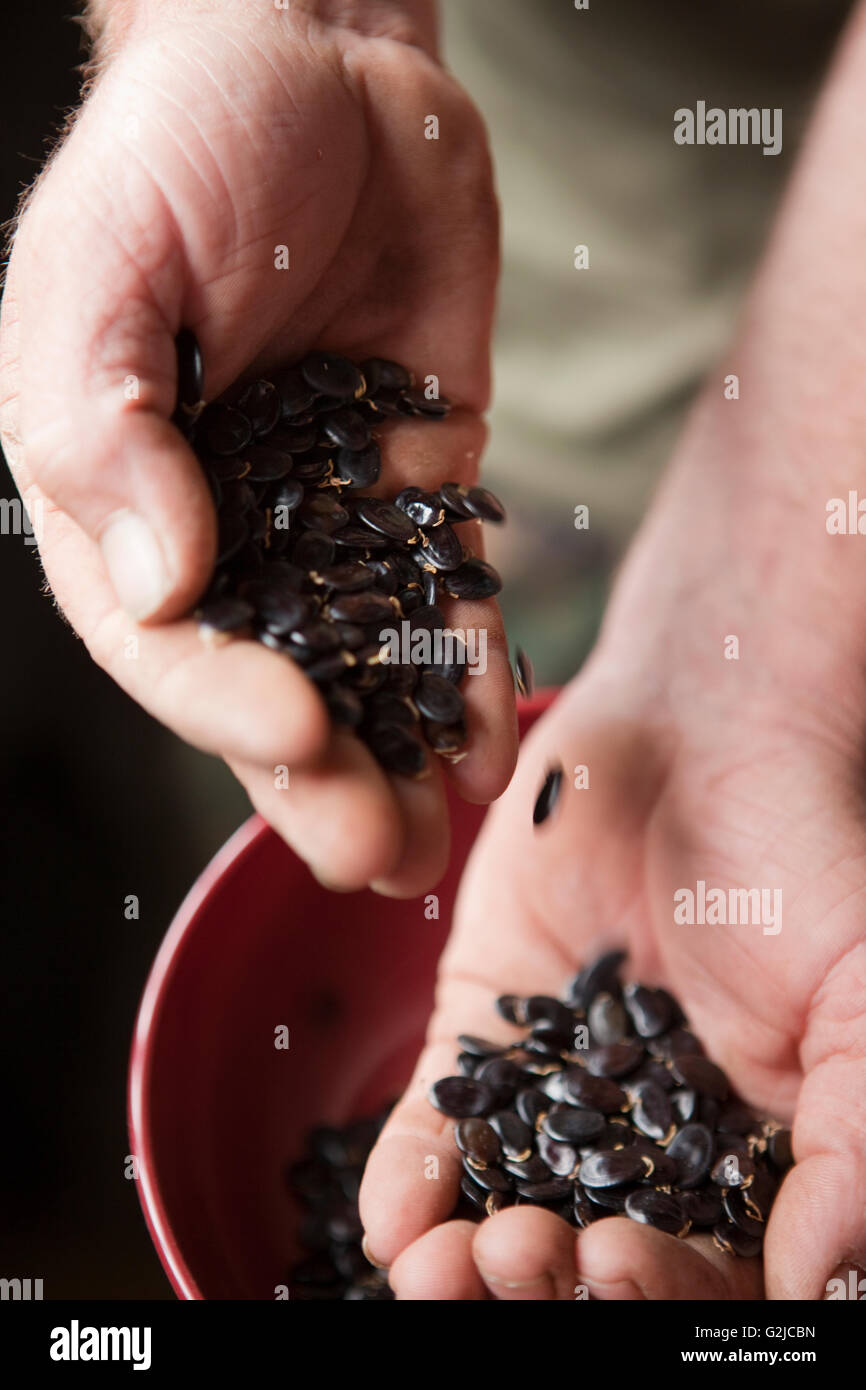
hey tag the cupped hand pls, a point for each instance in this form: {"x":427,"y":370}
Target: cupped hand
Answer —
{"x":699,"y":769}
{"x":212,"y":152}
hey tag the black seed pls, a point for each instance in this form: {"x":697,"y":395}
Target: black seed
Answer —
{"x":484,"y":505}
{"x":328,"y":668}
{"x":612,"y":1168}
{"x":651,"y":1112}
{"x":531,"y":1105}
{"x":344,"y":706}
{"x":679,"y":1042}
{"x":311,"y":469}
{"x":453,"y":665}
{"x":585,"y":1211}
{"x":553,"y":1190}
{"x":398,"y":751}
{"x":346,"y":428}
{"x":561,"y":1158}
{"x":594,"y":1092}
{"x":460,"y":1097}
{"x":416,"y":402}
{"x":299,"y":439}
{"x":532,"y":1169}
{"x":382,"y":374}
{"x":474,"y":579}
{"x":366,"y":607}
{"x":573,"y":1125}
{"x":652,"y":1069}
{"x":648,"y":1009}
{"x":422,"y":507}
{"x":544,"y":1008}
{"x":289,"y":494}
{"x":692,"y":1151}
{"x":453,"y":496}
{"x":280,"y":610}
{"x":475,"y":1138}
{"x":428,"y":617}
{"x":501,"y":1076}
{"x":550,"y":1077}
{"x":779,"y":1150}
{"x":315,"y":636}
{"x":232,"y":532}
{"x":490,"y":1179}
{"x":732,"y":1169}
{"x":190,"y":369}
{"x":225,"y":614}
{"x":441,"y":548}
{"x":313,"y":550}
{"x":480,"y":1047}
{"x":702,"y":1207}
{"x":524,"y":674}
{"x":662,"y":1210}
{"x":296,"y":396}
{"x":548,"y":796}
{"x":386,"y":519}
{"x":512,"y":1008}
{"x":477,"y":1196}
{"x":737,"y":1209}
{"x":616,"y":1059}
{"x":224,"y":429}
{"x":607,"y":1019}
{"x":322,"y":512}
{"x":360,"y":538}
{"x":701,"y":1075}
{"x":611,"y":1199}
{"x":599,"y":975}
{"x":439,"y":699}
{"x":348,"y":577}
{"x":735,"y":1242}
{"x":261,"y":404}
{"x":445,"y":739}
{"x":359,"y":467}
{"x":329,"y":374}
{"x":515,"y":1134}
{"x":664,"y":1169}
{"x":685,"y":1103}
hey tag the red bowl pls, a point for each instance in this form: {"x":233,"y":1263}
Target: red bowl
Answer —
{"x":215,"y":1109}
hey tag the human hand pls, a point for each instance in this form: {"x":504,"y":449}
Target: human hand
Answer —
{"x":738,"y":773}
{"x":209,"y":140}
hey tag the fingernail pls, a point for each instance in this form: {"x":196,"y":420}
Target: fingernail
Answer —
{"x":847,"y":1282}
{"x":540,"y":1288}
{"x":620,"y":1290}
{"x":135,"y":564}
{"x":370,"y":1258}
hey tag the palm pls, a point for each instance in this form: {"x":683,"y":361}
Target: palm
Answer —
{"x":235,"y":146}
{"x":658,"y":816}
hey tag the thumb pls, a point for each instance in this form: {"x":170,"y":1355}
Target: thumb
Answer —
{"x":91,"y":300}
{"x":817,"y":1230}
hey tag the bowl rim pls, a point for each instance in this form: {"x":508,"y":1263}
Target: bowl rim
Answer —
{"x":228,"y":858}
{"x":231,"y":854}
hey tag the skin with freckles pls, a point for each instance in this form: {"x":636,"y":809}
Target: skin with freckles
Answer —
{"x":203,"y":148}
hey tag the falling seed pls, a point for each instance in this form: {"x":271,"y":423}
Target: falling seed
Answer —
{"x":548,"y":796}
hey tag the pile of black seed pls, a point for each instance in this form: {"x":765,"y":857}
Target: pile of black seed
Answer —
{"x":325,"y":1183}
{"x":608,"y":1106}
{"x":316,"y":570}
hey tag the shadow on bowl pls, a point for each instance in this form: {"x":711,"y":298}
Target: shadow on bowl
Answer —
{"x":215,"y":1108}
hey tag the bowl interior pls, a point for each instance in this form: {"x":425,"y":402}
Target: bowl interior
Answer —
{"x":216,"y":1108}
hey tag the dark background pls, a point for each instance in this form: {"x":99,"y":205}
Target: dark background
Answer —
{"x":98,"y":802}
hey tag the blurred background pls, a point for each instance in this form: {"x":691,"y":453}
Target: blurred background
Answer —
{"x":594,"y":371}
